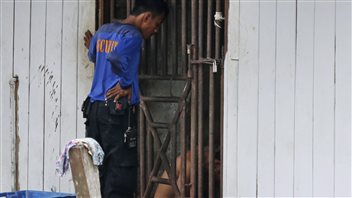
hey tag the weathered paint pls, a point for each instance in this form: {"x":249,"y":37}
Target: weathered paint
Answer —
{"x":343,"y":87}
{"x":69,"y":92}
{"x":42,"y":43}
{"x":36,"y":96}
{"x":21,"y":69}
{"x":7,"y":177}
{"x":287,"y":119}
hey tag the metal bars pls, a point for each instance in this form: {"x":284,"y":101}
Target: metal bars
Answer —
{"x":164,"y":53}
{"x":187,"y":48}
{"x":161,"y":159}
{"x":194,"y":100}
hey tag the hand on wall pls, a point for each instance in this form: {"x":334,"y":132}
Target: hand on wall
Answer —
{"x":87,"y":37}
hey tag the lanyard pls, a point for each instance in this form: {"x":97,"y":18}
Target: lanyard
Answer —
{"x":129,"y":116}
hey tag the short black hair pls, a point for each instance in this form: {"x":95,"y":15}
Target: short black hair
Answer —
{"x":156,"y":7}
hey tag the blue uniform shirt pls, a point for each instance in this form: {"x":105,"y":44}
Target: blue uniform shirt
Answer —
{"x":115,"y":49}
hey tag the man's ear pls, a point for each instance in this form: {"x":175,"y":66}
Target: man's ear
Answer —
{"x":147,"y":16}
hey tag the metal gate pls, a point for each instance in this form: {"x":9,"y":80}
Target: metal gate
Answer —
{"x":186,"y":53}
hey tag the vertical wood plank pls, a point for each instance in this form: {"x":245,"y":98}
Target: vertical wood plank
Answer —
{"x":248,"y":98}
{"x":284,"y":107}
{"x":266,"y":103}
{"x":52,"y":93}
{"x":6,"y":66}
{"x":36,"y":97}
{"x":303,"y":180}
{"x":21,"y":68}
{"x":230,"y":167}
{"x":69,"y":78}
{"x":343,"y":100}
{"x":85,"y":68}
{"x":323,"y":149}
{"x":305,"y":101}
{"x":230,"y":175}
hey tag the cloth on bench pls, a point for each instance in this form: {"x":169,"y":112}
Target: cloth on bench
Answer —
{"x":94,"y":149}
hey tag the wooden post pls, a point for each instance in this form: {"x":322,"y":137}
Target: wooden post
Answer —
{"x":85,"y":174}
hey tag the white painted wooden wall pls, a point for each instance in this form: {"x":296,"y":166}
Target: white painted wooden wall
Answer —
{"x":288,"y":99}
{"x":41,"y":42}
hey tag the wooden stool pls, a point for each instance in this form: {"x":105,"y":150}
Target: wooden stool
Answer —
{"x":85,"y":174}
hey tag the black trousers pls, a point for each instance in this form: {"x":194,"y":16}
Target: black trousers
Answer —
{"x":118,"y":174}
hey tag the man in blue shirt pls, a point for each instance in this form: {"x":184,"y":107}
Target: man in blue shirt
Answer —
{"x":116,"y":49}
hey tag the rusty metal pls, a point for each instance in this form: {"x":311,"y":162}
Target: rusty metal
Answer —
{"x":221,"y":121}
{"x":141,"y":144}
{"x":200,"y":99}
{"x":161,"y":147}
{"x":185,"y":187}
{"x":172,"y":39}
{"x":208,"y":61}
{"x":162,"y":44}
{"x":112,"y":10}
{"x":160,"y":99}
{"x":218,"y":34}
{"x":212,"y":110}
{"x":173,"y":147}
{"x":151,"y":77}
{"x":101,"y":13}
{"x":181,"y":102}
{"x":162,"y":55}
{"x":211,"y":133}
{"x":209,"y":29}
{"x":149,"y":139}
{"x":153,"y":63}
{"x":211,"y":84}
{"x":194,"y":100}
{"x":183,"y":35}
{"x":161,"y":158}
{"x":160,"y":180}
{"x":165,"y":57}
{"x":183,"y":148}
